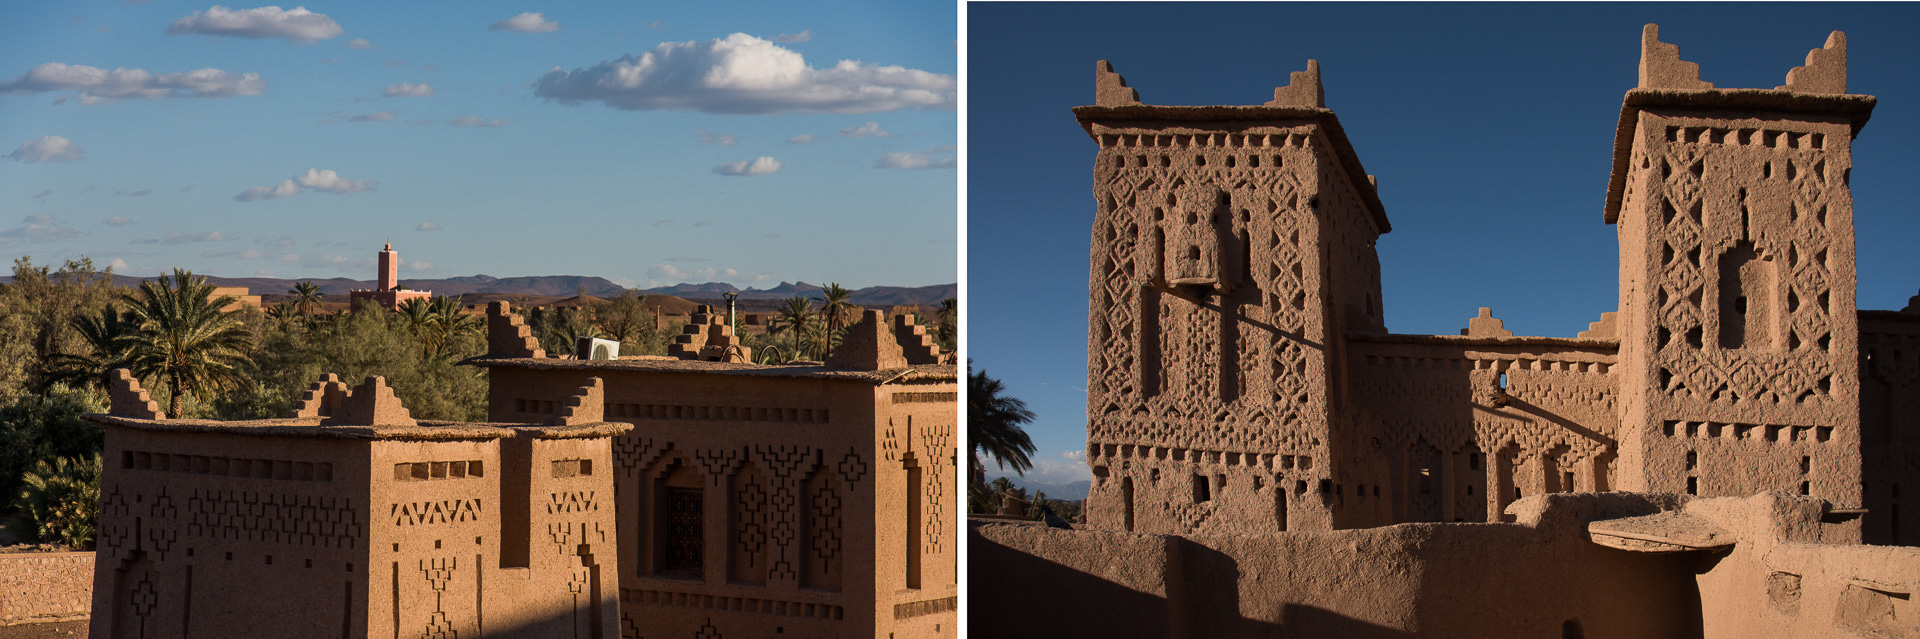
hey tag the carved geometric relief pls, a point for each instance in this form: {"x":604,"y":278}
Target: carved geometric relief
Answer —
{"x":633,"y":453}
{"x":938,"y":447}
{"x":719,"y":463}
{"x":327,"y":522}
{"x":784,"y":462}
{"x":824,"y":526}
{"x":438,"y":572}
{"x":445,"y":511}
{"x":750,"y":515}
{"x":577,"y":501}
{"x":852,"y":468}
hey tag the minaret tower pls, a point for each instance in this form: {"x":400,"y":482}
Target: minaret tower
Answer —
{"x":1739,"y":341}
{"x":389,"y":268}
{"x":1232,"y":251}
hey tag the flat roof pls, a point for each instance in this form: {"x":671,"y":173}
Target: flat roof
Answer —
{"x":310,"y":427}
{"x":919,"y":373}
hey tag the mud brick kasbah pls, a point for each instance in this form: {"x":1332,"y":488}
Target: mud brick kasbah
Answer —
{"x":636,"y":497}
{"x":1723,"y":456}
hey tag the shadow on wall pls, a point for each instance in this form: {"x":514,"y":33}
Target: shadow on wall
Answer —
{"x":1054,"y":601}
{"x":1541,"y":577}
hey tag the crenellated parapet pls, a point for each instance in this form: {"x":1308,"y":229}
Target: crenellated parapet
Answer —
{"x":508,"y":334}
{"x":128,"y":399}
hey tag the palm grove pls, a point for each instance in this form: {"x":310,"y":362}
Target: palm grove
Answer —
{"x":996,"y":423}
{"x":64,"y":330}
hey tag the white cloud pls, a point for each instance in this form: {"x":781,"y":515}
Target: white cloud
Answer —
{"x":336,"y":262}
{"x":296,"y":25}
{"x":325,"y":180}
{"x":117,"y":265}
{"x":667,"y":274}
{"x":359,"y":43}
{"x":286,"y":188}
{"x":526,"y":23}
{"x":328,"y":181}
{"x":408,"y":90}
{"x":175,"y":237}
{"x":376,"y":116}
{"x":929,"y":159}
{"x":758,"y":166}
{"x":37,"y":218}
{"x":250,"y":254}
{"x":94,"y":85}
{"x":788,"y":38}
{"x":869,"y":130}
{"x":427,"y":226}
{"x":52,"y":148}
{"x":474,"y":120}
{"x":742,"y":74}
{"x":804,"y":138}
{"x":118,"y":220}
{"x":1064,"y":468}
{"x":660,"y":224}
{"x":40,"y":232}
{"x":724,"y":139}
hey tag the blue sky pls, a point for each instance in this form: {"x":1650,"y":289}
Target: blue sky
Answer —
{"x":649,"y":143}
{"x":1490,"y":128}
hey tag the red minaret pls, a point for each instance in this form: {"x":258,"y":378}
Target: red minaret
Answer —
{"x":389,"y":269}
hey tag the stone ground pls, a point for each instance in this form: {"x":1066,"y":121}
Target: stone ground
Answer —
{"x":53,"y":630}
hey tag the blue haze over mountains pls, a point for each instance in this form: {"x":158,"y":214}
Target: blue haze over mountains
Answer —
{"x":570,"y":285}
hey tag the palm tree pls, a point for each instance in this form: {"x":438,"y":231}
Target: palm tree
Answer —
{"x":837,"y":310}
{"x":306,"y":297}
{"x":417,"y":315}
{"x":283,"y":314}
{"x":949,"y":321}
{"x":447,"y":322}
{"x":994,"y":424}
{"x":796,"y":317}
{"x":181,"y":335}
{"x":106,"y":336}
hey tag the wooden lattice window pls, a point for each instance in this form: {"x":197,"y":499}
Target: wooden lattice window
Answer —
{"x":685,"y":516}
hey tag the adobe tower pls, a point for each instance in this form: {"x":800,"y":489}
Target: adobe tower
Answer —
{"x":1241,"y":379}
{"x":1739,"y":343}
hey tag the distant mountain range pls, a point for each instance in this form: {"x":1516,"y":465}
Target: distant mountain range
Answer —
{"x":570,"y":285}
{"x":869,"y":296}
{"x":1072,"y":491}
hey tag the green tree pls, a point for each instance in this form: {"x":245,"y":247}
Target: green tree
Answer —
{"x":38,"y":428}
{"x":796,"y":318}
{"x":283,"y":315}
{"x":306,"y":298}
{"x":36,"y":313}
{"x":107,"y":345}
{"x":947,"y":330}
{"x":185,"y":339}
{"x":624,"y":318}
{"x":59,"y":501}
{"x":995,"y":425}
{"x":837,"y":311}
